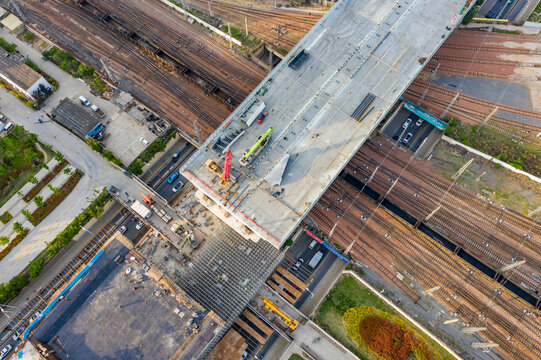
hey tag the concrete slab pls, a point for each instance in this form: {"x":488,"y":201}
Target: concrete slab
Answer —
{"x":357,"y":48}
{"x":124,"y":132}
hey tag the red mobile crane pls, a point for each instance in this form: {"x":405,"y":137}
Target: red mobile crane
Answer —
{"x":227,"y":168}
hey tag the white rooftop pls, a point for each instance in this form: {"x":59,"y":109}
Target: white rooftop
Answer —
{"x":362,"y":55}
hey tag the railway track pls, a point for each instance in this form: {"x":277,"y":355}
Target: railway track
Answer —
{"x":442,"y":185}
{"x":158,"y":84}
{"x":437,"y":89}
{"x":497,"y":49}
{"x":491,"y":36}
{"x":43,"y":296}
{"x":437,"y":58}
{"x":465,"y":233}
{"x":433,"y":265}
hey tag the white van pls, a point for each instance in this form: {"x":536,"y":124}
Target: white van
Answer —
{"x":8,"y":127}
{"x":84,"y":101}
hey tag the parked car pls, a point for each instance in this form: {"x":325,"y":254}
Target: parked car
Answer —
{"x":144,"y":141}
{"x":84,"y":101}
{"x":139,"y":225}
{"x":312,"y":244}
{"x":17,"y":333}
{"x":419,"y":122}
{"x":176,"y":156}
{"x":407,"y":138}
{"x":122,"y":229}
{"x":98,"y":111}
{"x":5,"y":351}
{"x":406,"y":123}
{"x":177,"y":186}
{"x":173,"y":177}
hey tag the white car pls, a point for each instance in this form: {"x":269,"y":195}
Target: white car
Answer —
{"x":144,"y":141}
{"x":419,"y":122}
{"x":177,"y":186}
{"x":139,"y":225}
{"x":17,"y":334}
{"x":5,"y":351}
{"x":407,"y":138}
{"x":122,"y":229}
{"x":406,"y":123}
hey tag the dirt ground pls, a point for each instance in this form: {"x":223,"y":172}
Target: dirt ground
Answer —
{"x":505,"y":188}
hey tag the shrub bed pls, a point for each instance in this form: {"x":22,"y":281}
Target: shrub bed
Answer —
{"x":12,"y":289}
{"x":75,"y":68}
{"x":13,"y":243}
{"x":46,"y":179}
{"x":55,"y":199}
{"x":6,"y":217}
{"x":385,"y":336}
{"x":95,"y":209}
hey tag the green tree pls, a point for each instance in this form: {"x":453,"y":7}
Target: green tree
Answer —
{"x":44,"y":166}
{"x":67,"y":171}
{"x":18,"y":228}
{"x":32,"y":179}
{"x":27,"y":214}
{"x":58,"y":156}
{"x":35,"y":267}
{"x":55,"y":190}
{"x":33,"y":137}
{"x":48,"y":147}
{"x":38,"y":200}
{"x":4,"y":240}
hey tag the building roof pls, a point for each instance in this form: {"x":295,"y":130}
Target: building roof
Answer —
{"x":11,"y":22}
{"x":18,"y":72}
{"x":323,"y":101}
{"x":75,"y":117}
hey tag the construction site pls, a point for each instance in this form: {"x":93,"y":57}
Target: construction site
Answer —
{"x":317,"y":132}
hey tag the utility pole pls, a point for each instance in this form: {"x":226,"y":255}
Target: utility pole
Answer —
{"x":449,"y":106}
{"x":478,"y":345}
{"x":246,"y":25}
{"x":210,"y":11}
{"x":487,"y":118}
{"x":197,"y":130}
{"x":16,"y":7}
{"x":229,"y":31}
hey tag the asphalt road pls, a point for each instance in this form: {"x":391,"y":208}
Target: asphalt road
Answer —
{"x":510,"y":11}
{"x":165,"y":167}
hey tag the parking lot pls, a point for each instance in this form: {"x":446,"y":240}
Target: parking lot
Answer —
{"x":411,"y":133}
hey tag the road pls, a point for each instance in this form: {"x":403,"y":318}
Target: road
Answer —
{"x":512,"y":12}
{"x":98,"y":171}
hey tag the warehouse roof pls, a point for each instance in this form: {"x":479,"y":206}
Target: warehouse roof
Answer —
{"x":12,"y":22}
{"x":16,"y":71}
{"x":323,"y":101}
{"x":75,"y":117}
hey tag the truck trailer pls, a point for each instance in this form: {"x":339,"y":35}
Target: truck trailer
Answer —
{"x":141,"y":209}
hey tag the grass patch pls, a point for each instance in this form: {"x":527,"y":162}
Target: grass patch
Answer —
{"x":248,"y":41}
{"x":9,"y":47}
{"x":95,"y":209}
{"x":522,"y":156}
{"x":502,"y":31}
{"x":55,"y":199}
{"x":13,"y":243}
{"x":295,"y":357}
{"x":348,"y":293}
{"x":75,"y":68}
{"x":43,"y":182}
{"x":6,"y":217}
{"x":536,"y":14}
{"x":19,"y":159}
